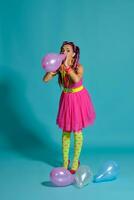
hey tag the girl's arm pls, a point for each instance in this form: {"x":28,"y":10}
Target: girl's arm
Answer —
{"x":48,"y":76}
{"x":76,"y":76}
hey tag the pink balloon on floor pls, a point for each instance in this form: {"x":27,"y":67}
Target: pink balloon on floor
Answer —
{"x":52,"y":61}
{"x":61,"y":177}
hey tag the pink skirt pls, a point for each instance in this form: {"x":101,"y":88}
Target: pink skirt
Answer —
{"x":76,"y":111}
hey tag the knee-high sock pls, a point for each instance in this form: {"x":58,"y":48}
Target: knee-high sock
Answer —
{"x":78,"y":141}
{"x":65,"y":147}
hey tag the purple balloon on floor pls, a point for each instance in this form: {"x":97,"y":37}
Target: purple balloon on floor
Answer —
{"x":61,"y":177}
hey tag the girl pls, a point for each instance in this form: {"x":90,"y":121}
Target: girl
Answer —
{"x":76,"y":110}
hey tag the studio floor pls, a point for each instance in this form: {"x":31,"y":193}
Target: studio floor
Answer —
{"x":27,"y":177}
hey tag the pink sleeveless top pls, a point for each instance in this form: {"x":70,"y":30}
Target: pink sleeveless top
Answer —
{"x":74,"y":85}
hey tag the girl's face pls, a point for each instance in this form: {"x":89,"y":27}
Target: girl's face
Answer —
{"x":68,"y":51}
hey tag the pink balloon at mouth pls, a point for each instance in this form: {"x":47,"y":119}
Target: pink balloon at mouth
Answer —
{"x":52,"y":61}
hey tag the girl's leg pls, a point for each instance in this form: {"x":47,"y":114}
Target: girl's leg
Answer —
{"x":65,"y":147}
{"x":78,"y":141}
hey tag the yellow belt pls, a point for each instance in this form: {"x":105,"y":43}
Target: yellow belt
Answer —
{"x":73,"y":89}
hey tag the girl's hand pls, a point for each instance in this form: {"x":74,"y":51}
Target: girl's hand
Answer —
{"x":53,"y":73}
{"x":68,"y":62}
{"x":48,"y":76}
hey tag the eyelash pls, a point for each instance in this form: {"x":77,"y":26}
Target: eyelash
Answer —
{"x":64,"y":50}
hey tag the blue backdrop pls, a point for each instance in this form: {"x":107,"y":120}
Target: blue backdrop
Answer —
{"x":103,"y":30}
